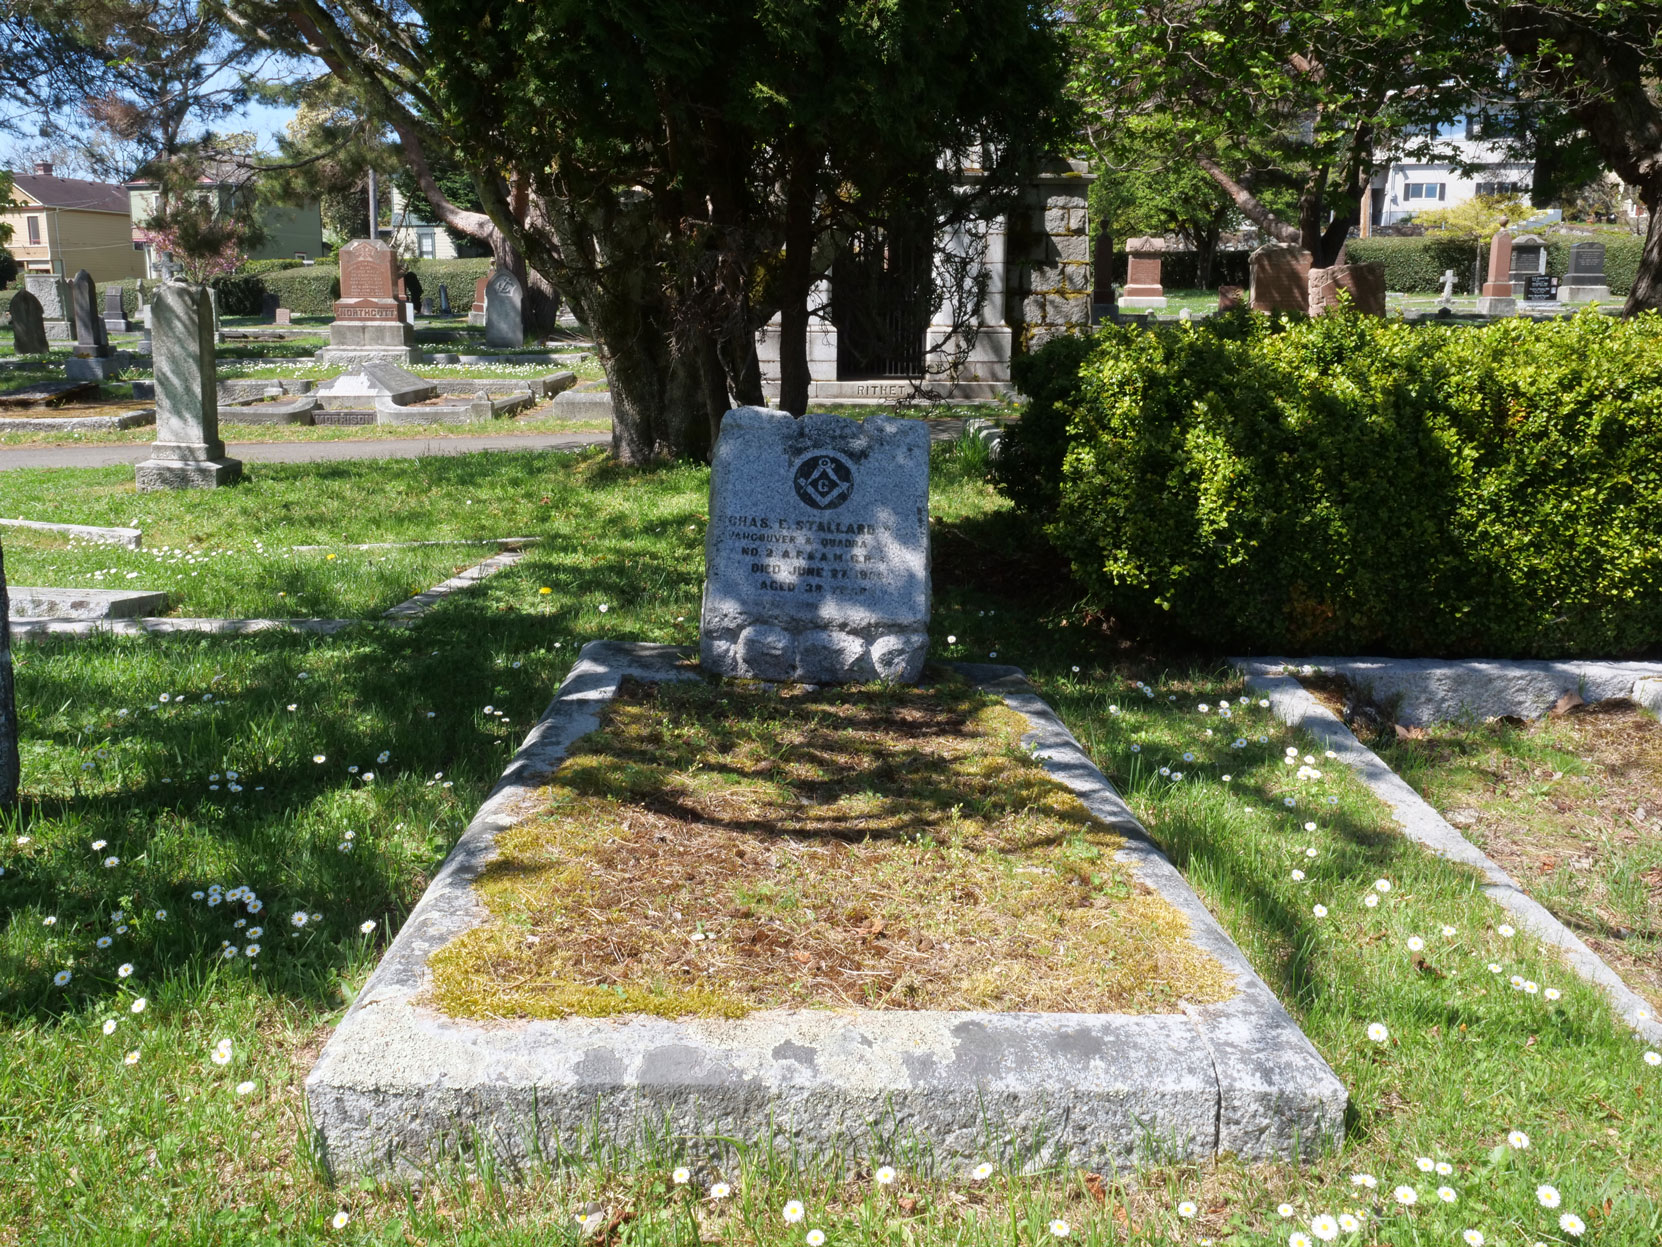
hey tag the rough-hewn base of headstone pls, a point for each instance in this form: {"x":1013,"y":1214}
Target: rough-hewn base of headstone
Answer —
{"x":351,"y":356}
{"x":186,"y":473}
{"x":96,"y":369}
{"x":1583,"y":294}
{"x":59,"y":331}
{"x":476,"y":319}
{"x":766,"y":652}
{"x":1490,"y":305}
{"x":1143,"y":300}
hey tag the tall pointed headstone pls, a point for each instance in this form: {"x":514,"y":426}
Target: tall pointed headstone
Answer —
{"x":187,"y":453}
{"x":1497,"y":299}
{"x":92,"y":340}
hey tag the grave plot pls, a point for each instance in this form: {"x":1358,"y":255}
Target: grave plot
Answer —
{"x":1569,"y":805}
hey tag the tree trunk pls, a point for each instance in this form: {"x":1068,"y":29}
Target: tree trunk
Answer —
{"x":744,"y":369}
{"x":10,"y":772}
{"x":1250,"y":205}
{"x":1646,"y":294}
{"x":795,"y":278}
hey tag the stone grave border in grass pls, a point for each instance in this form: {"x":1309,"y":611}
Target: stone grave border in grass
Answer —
{"x":139,"y":417}
{"x":399,"y":1085}
{"x":402,"y":615}
{"x":1441,"y":690}
{"x":132,"y":538}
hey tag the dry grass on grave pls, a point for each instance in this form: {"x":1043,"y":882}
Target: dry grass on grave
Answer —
{"x":715,"y":849}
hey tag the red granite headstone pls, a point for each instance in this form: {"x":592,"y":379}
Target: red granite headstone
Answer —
{"x":368,"y":282}
{"x":1364,"y":283}
{"x":1142,"y":272}
{"x":1231,"y":297}
{"x":479,"y":295}
{"x":1280,"y":278}
{"x":1499,"y":285}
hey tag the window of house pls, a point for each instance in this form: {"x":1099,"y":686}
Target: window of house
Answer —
{"x":1424,"y":190}
{"x":34,"y":231}
{"x":424,"y":240}
{"x":301,"y":256}
{"x":1501,"y":188}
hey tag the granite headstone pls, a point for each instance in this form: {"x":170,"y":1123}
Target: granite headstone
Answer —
{"x":476,"y":313}
{"x":1585,"y":282}
{"x":1496,"y":299}
{"x":92,"y":341}
{"x":1142,"y":273}
{"x":115,"y":315}
{"x":55,"y":306}
{"x":371,"y":321}
{"x":28,"y":325}
{"x":1280,"y":278}
{"x":444,"y":299}
{"x":1364,"y":283}
{"x":817,"y":551}
{"x":504,"y":310}
{"x":187,"y":453}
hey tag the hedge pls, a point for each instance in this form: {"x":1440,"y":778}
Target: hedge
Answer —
{"x":1358,"y":485}
{"x":1180,"y":270}
{"x":309,"y":291}
{"x":1416,"y":265}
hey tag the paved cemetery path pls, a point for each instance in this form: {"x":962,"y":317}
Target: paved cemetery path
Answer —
{"x":325,"y":452}
{"x":303,"y":452}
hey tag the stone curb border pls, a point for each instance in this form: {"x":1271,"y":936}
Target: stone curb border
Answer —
{"x":1435,"y":690}
{"x":399,"y":1085}
{"x":1296,"y":706}
{"x":405,"y":613}
{"x":134,"y":419}
{"x":132,"y":538}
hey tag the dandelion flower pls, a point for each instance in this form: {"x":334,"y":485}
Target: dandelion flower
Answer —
{"x":1377,"y":1032}
{"x":1518,"y":1140}
{"x":1446,"y":1194}
{"x":885,"y":1175}
{"x":1187,"y":1209}
{"x":1572,"y":1224}
{"x":1407,"y":1196}
{"x":720,"y":1190}
{"x":340,"y":1219}
{"x":794,"y":1211}
{"x":815,"y":1238}
{"x":1060,"y":1228}
{"x":1547,"y":1196}
{"x":681,"y":1176}
{"x":1325,"y":1228}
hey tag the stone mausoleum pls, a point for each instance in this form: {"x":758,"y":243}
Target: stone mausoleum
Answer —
{"x":876,"y":331}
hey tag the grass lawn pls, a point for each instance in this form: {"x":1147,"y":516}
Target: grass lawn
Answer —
{"x":1571,"y":807}
{"x":358,"y":759}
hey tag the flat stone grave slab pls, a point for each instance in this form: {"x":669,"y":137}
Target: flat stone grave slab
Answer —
{"x":562,"y":1044}
{"x":581,"y":404}
{"x":78,"y":419}
{"x":46,"y":393}
{"x":360,"y":388}
{"x":286,"y":409}
{"x":36,"y":603}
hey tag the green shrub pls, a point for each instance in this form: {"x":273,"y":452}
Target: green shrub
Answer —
{"x":1028,"y":468}
{"x":1180,"y":270}
{"x":309,"y":291}
{"x":459,"y":276}
{"x":239,"y":294}
{"x":257,"y":268}
{"x":1357,"y":485}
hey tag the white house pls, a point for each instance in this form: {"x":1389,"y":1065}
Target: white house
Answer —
{"x":413,"y":235}
{"x":1411,"y":184}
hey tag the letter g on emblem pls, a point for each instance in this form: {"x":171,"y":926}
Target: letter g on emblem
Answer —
{"x":824,"y":481}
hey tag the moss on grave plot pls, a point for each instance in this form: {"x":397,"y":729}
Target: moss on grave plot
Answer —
{"x":714,"y":849}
